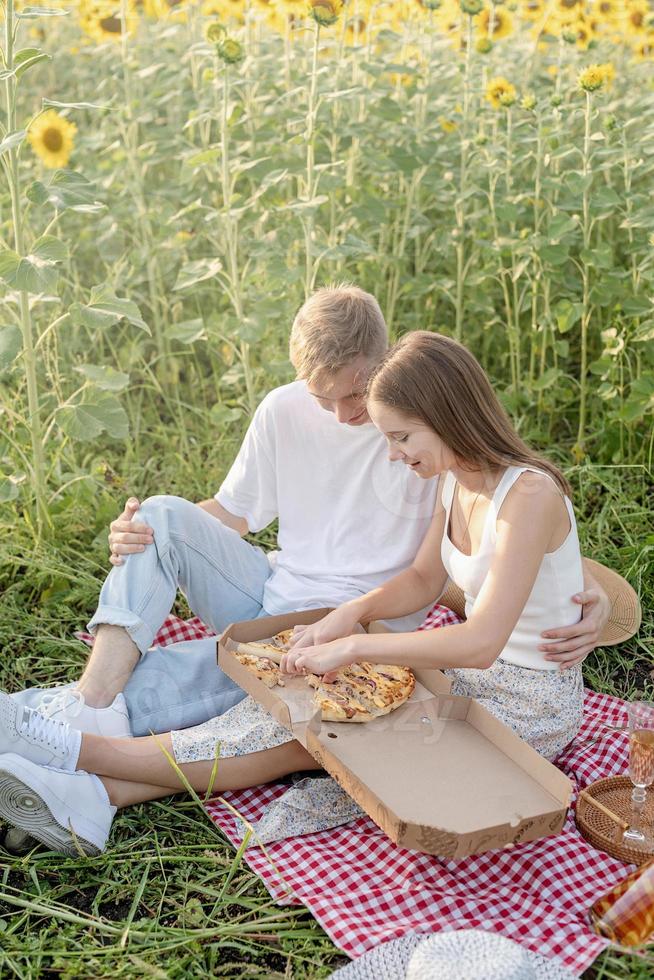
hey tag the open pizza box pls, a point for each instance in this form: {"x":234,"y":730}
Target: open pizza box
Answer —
{"x":439,"y":775}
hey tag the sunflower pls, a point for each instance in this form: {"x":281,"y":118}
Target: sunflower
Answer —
{"x":635,"y":16}
{"x":325,"y":12}
{"x":569,"y":9}
{"x":592,"y":78}
{"x":356,"y":29}
{"x":447,"y":125}
{"x":495,"y":23}
{"x":607,"y":9}
{"x":500,"y":92}
{"x":532,"y":9}
{"x":283,"y":22}
{"x":608,"y":72}
{"x":644,"y":50}
{"x":450,"y":22}
{"x":102,"y":20}
{"x":174,"y":10}
{"x":51,"y":138}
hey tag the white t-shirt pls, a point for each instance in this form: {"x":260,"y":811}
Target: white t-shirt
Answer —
{"x":349,"y":519}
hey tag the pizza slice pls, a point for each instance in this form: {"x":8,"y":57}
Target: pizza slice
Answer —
{"x":273,"y":648}
{"x":362,"y":692}
{"x":263,"y":668}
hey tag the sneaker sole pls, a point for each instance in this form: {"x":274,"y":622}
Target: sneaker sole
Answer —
{"x":22,"y":807}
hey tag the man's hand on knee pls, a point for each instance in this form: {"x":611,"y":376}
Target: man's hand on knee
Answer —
{"x":127,"y":538}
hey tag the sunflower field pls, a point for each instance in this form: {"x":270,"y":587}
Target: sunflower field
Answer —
{"x":177,"y":176}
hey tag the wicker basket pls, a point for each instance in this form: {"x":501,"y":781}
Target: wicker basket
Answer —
{"x":601,"y":831}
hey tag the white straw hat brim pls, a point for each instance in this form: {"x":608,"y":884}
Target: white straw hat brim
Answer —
{"x":466,"y":954}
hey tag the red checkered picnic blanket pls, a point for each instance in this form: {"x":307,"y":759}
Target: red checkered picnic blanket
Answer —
{"x":364,"y":890}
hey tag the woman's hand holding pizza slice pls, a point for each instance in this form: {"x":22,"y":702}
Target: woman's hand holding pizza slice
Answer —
{"x":323,"y":658}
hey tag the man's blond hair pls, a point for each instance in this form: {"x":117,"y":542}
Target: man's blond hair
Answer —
{"x":335,"y":326}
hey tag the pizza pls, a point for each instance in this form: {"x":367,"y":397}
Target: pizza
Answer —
{"x":273,"y":648}
{"x":360,"y":692}
{"x":262,"y":667}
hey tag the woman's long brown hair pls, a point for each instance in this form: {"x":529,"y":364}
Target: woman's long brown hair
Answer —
{"x":437,"y":381}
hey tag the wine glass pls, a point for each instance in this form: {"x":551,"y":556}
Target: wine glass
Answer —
{"x":641,"y":768}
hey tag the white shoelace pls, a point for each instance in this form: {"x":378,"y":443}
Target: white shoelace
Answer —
{"x":70,"y":702}
{"x":47,"y":732}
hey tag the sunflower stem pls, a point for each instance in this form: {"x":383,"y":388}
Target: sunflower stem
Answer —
{"x":42,"y":517}
{"x":459,"y":206}
{"x":586,"y":305}
{"x":309,"y":272}
{"x":156,"y":289}
{"x":231,"y":236}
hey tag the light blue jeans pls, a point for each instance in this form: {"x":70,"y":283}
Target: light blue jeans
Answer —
{"x":222,"y":577}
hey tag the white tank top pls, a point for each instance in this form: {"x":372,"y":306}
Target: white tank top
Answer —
{"x":559,"y":577}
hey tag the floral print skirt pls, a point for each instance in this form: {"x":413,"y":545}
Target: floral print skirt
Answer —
{"x":245,"y":728}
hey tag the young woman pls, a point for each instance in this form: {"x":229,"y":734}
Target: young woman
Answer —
{"x":503,"y":530}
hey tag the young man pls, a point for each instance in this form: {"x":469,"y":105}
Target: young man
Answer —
{"x":348,"y":520}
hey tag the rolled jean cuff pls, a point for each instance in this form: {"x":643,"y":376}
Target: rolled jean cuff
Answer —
{"x":139,"y":632}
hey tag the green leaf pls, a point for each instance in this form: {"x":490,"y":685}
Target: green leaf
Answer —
{"x":640,"y":401}
{"x":547,"y":379}
{"x":50,"y":249}
{"x":637,"y":306}
{"x":105,"y":309}
{"x":606,"y":391}
{"x":78,"y":423}
{"x":202,"y":158}
{"x":507,"y":212}
{"x":644,"y":332}
{"x":605,"y":199}
{"x":67,"y":190}
{"x":32,"y":274}
{"x":53,"y":104}
{"x":188,"y":331}
{"x":221,"y":415}
{"x":314,"y":203}
{"x":566,"y":314}
{"x":9,"y":262}
{"x":9,"y":489}
{"x":560,"y":225}
{"x":577,"y":183}
{"x":554,"y":254}
{"x":28,"y":13}
{"x":600,"y":257}
{"x":198,"y":271}
{"x":27,"y":58}
{"x":103,"y":376}
{"x":11,"y":343}
{"x":86,"y":422}
{"x":12,"y":140}
{"x":22,"y":61}
{"x":108,"y":410}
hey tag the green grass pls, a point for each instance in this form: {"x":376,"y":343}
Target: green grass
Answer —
{"x":169,"y":899}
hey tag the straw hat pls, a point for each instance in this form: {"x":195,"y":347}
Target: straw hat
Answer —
{"x":466,"y":954}
{"x":625,"y":616}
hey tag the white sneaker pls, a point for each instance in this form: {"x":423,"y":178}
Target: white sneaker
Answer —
{"x":66,"y":811}
{"x":66,"y":703}
{"x":44,"y":741}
